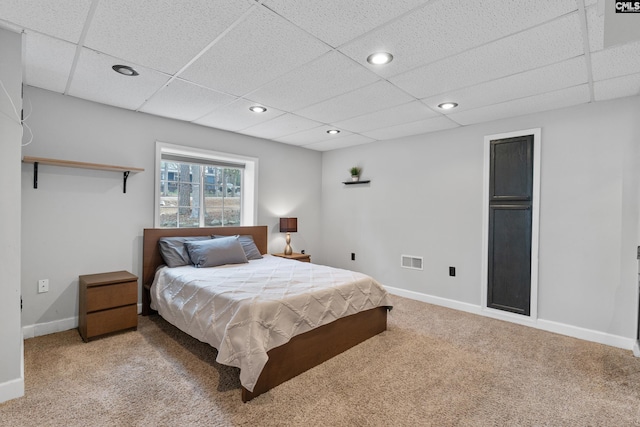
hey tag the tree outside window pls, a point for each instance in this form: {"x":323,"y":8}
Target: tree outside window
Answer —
{"x":196,"y":195}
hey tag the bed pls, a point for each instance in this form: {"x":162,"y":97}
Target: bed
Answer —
{"x":286,"y":360}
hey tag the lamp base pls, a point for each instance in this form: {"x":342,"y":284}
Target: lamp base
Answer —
{"x":287,"y":249}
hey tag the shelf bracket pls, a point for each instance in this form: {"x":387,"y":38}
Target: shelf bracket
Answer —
{"x":35,"y":174}
{"x":124,"y":184}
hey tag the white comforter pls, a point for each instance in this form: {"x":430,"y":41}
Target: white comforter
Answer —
{"x":244,"y":310}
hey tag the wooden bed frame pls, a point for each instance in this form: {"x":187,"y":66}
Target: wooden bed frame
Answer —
{"x":302,"y":352}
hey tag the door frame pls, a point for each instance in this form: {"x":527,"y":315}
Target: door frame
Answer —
{"x":535,"y":228}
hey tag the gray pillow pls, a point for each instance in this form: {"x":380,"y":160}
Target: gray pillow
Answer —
{"x":214,"y":252}
{"x":174,"y":252}
{"x":248,"y":245}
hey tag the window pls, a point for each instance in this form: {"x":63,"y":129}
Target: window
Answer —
{"x":200,"y":188}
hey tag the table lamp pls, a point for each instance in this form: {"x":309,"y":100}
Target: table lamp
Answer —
{"x":288,"y":225}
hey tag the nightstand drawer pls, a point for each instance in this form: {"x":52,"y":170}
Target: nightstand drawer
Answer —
{"x":116,"y":319}
{"x":108,"y":296}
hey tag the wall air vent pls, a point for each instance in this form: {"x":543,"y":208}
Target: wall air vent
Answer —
{"x":410,"y":261}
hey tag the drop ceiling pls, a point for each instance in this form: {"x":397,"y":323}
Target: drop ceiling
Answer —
{"x":208,"y":61}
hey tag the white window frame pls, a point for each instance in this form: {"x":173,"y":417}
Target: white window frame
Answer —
{"x":249,"y":193}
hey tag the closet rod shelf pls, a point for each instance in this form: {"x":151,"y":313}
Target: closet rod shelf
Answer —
{"x":126,"y":170}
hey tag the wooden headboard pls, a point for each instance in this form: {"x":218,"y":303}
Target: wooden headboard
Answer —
{"x":151,"y":258}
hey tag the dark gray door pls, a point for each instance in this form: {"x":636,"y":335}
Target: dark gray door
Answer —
{"x":510,"y":198}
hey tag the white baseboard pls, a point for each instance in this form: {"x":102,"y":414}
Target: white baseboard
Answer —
{"x":47,"y":328}
{"x":15,"y":388}
{"x":545,"y":325}
{"x":586,"y":334}
{"x":444,"y":302}
{"x":11,"y":389}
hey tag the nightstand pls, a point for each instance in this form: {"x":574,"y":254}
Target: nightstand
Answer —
{"x":297,"y":257}
{"x":108,"y":303}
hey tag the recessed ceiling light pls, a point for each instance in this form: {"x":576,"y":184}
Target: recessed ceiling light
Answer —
{"x":333,"y":131}
{"x":258,"y":109}
{"x":125,"y":70}
{"x":379,"y":58}
{"x":447,"y":105}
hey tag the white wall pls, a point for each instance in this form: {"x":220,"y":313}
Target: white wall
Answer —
{"x":79,"y":221}
{"x":11,"y":375}
{"x":425,"y":199}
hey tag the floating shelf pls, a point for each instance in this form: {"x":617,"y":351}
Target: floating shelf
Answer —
{"x":366,"y":181}
{"x":126,"y":170}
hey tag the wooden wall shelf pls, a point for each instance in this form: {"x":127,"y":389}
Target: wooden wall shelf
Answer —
{"x":126,"y":170}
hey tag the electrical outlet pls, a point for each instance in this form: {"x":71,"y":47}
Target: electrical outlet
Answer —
{"x":353,"y":256}
{"x":43,"y":286}
{"x":452,"y":271}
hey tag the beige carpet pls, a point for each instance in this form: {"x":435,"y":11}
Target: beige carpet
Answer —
{"x":433,"y":367}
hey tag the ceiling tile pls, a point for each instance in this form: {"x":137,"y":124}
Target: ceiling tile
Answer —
{"x":540,"y":46}
{"x":338,"y":21}
{"x":96,"y":81}
{"x":549,"y":101}
{"x":48,"y":62}
{"x":283,"y":125}
{"x":374,"y":97}
{"x":311,"y":136}
{"x":445,"y":28}
{"x":237,"y":116}
{"x":546,"y":79}
{"x":595,"y":28}
{"x":185,"y":101}
{"x":342,"y":142}
{"x":617,"y":87}
{"x":61,"y":18}
{"x":161,"y":34}
{"x":255,"y":52}
{"x":616,"y":61}
{"x":330,"y":75}
{"x":413,"y":128}
{"x":404,"y":113}
{"x":306,"y":61}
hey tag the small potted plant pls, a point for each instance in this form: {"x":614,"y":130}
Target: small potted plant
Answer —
{"x":355,"y":173}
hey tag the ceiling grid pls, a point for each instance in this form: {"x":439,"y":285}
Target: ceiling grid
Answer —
{"x":208,"y":61}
